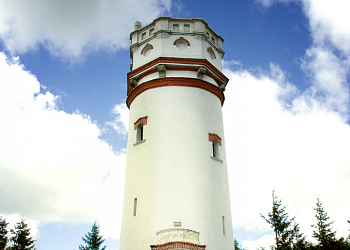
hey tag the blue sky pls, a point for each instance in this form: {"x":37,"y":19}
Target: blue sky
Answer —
{"x":63,"y":67}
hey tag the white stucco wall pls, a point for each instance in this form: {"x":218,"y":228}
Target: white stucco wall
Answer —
{"x":172,"y":174}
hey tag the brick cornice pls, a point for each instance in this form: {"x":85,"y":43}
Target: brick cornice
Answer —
{"x":178,"y":245}
{"x":146,"y":46}
{"x":181,"y":39}
{"x":215,"y":137}
{"x":210,"y":49}
{"x":142,"y":120}
{"x":162,"y":60}
{"x":175,"y":81}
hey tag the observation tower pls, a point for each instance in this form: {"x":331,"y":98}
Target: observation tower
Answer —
{"x":176,"y":192}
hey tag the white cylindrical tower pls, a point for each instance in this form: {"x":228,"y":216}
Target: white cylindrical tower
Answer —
{"x":176,"y":186}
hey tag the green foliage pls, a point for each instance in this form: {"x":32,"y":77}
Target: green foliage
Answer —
{"x":21,"y":237}
{"x":286,"y":231}
{"x":3,"y":233}
{"x":237,"y":246}
{"x":93,"y":239}
{"x":323,"y":231}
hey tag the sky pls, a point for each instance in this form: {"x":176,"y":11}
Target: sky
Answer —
{"x":63,"y":66}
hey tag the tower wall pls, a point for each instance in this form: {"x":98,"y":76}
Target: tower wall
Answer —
{"x":171,"y":171}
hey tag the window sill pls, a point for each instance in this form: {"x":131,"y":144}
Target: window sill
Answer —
{"x":139,"y":142}
{"x":216,"y":159}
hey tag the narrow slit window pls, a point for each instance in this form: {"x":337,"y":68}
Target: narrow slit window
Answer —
{"x":139,"y":133}
{"x":215,"y":145}
{"x":214,"y":153}
{"x":223,"y":225}
{"x":135,"y":206}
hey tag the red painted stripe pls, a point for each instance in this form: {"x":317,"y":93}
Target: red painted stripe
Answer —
{"x":174,"y":81}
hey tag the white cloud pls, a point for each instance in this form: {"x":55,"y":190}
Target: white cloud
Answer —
{"x":264,"y":241}
{"x":54,"y":167}
{"x":299,"y":148}
{"x":120,"y":112}
{"x":329,"y":22}
{"x":71,"y":28}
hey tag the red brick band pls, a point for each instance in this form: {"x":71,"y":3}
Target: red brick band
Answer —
{"x":147,"y":73}
{"x":214,"y":137}
{"x":162,"y":60}
{"x":174,"y":81}
{"x":178,"y":245}
{"x":179,"y":68}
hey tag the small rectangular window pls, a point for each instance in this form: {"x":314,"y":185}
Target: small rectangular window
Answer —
{"x":139,"y":133}
{"x":143,"y":36}
{"x":207,"y":33}
{"x":176,"y":27}
{"x":213,"y":40}
{"x":223,"y":225}
{"x":215,"y":146}
{"x":151,"y":31}
{"x":135,"y":206}
{"x":187,"y":27}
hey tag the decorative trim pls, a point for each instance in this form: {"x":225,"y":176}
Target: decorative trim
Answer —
{"x":142,"y":120}
{"x":182,"y":39}
{"x":210,"y":50}
{"x":179,"y":68}
{"x":201,"y":72}
{"x":215,"y":137}
{"x":148,"y":73}
{"x":163,"y":60}
{"x":178,"y":245}
{"x":175,"y":81}
{"x":161,"y":70}
{"x":146,"y":46}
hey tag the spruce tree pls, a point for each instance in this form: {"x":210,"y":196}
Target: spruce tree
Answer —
{"x":286,"y":231}
{"x":323,"y":230}
{"x":236,"y":245}
{"x":21,"y":237}
{"x":93,"y":239}
{"x":3,"y":233}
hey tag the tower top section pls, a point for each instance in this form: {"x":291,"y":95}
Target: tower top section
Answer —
{"x":175,"y":38}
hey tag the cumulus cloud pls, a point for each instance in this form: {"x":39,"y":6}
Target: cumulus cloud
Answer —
{"x":327,"y":61}
{"x":329,"y":22}
{"x":71,"y":28}
{"x":299,"y":148}
{"x":54,"y":167}
{"x":300,"y":144}
{"x":120,"y":113}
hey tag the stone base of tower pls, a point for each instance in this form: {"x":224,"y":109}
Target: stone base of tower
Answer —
{"x":177,"y":238}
